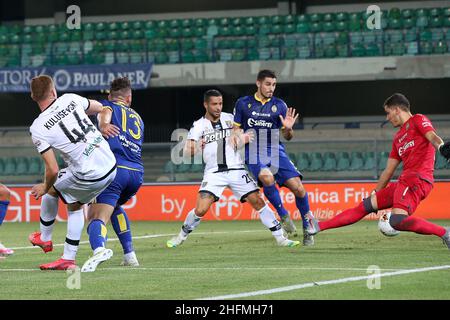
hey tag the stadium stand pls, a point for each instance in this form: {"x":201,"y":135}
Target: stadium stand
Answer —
{"x":304,"y":36}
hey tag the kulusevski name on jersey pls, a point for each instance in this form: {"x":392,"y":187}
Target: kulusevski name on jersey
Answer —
{"x":218,"y":154}
{"x":251,"y":113}
{"x":80,"y":143}
{"x":127,"y":146}
{"x":60,"y":115}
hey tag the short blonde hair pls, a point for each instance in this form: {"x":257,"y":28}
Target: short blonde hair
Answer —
{"x":41,"y":87}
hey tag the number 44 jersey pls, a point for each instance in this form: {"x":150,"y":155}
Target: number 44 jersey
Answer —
{"x":65,"y":126}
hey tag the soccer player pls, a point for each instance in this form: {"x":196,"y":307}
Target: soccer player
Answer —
{"x":64,"y":125}
{"x":414,"y":144}
{"x":5,"y":194}
{"x":126,"y":144}
{"x":224,"y":168}
{"x":266,"y":114}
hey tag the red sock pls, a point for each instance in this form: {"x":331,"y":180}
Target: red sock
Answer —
{"x":421,"y":226}
{"x":345,"y":218}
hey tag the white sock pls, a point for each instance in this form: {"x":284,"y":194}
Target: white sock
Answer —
{"x":49,"y":210}
{"x":75,"y":224}
{"x":268,"y":219}
{"x":130,"y":255}
{"x":190,"y":223}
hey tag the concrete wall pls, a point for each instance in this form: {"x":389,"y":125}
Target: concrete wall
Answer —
{"x":302,"y":71}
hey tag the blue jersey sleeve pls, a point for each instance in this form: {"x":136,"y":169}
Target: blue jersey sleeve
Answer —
{"x":238,"y":112}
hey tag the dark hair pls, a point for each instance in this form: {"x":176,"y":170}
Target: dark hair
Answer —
{"x":211,"y":93}
{"x":120,"y":86}
{"x":397,"y":100}
{"x":266,"y":74}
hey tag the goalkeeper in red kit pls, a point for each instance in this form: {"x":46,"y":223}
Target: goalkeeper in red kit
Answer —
{"x":414,"y":144}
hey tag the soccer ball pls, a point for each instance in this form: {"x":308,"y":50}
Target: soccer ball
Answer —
{"x":385,"y":227}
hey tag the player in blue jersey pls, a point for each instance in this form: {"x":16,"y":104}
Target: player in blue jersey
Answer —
{"x":124,"y":130}
{"x":5,"y":194}
{"x":266,"y":158}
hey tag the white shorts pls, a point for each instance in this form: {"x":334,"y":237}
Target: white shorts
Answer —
{"x":71,"y":189}
{"x":239,"y":181}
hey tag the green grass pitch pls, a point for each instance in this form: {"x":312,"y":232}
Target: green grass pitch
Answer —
{"x":227,"y":258}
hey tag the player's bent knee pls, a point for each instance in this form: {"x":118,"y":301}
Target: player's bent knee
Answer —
{"x":368,"y":205}
{"x":52,"y":192}
{"x":396,"y":219}
{"x":255,"y":200}
{"x":5,"y":194}
{"x":200,"y":212}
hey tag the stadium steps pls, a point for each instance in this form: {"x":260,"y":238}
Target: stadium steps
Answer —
{"x":312,"y":35}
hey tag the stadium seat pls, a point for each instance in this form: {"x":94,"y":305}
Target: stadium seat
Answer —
{"x":183,"y":168}
{"x":343,"y":161}
{"x":329,"y":162}
{"x":9,"y":167}
{"x":302,"y":162}
{"x":440,"y":162}
{"x":356,"y":161}
{"x":316,"y":162}
{"x":169,"y":167}
{"x":35,"y":165}
{"x":21,"y":166}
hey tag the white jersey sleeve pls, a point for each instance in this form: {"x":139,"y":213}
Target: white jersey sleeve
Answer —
{"x":39,"y":141}
{"x":196,"y":131}
{"x":82,"y":101}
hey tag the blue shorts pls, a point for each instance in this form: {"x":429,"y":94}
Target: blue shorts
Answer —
{"x":124,"y":186}
{"x":285,"y":171}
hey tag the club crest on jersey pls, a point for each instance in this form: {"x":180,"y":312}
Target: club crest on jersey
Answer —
{"x":249,"y":105}
{"x":204,"y":184}
{"x":229,"y":123}
{"x":274,"y":108}
{"x":407,"y":126}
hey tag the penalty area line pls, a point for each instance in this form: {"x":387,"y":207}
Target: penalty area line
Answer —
{"x":150,"y":237}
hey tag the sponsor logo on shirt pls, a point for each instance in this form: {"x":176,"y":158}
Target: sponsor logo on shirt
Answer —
{"x":402,"y":138}
{"x":91,"y":147}
{"x":408,"y":145}
{"x":259,"y":123}
{"x":257,"y":114}
{"x":217,"y":135}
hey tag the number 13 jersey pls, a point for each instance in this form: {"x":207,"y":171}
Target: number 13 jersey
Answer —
{"x":65,"y":126}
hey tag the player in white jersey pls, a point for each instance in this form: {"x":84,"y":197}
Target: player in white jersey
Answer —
{"x":64,"y":125}
{"x":224,"y":167}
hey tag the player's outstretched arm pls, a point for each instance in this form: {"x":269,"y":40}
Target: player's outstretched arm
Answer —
{"x":107,"y":129}
{"x":438,"y":143}
{"x":193,"y":147}
{"x":288,"y":123}
{"x":51,"y":173}
{"x":387,"y":174}
{"x":94,"y":107}
{"x":238,"y":138}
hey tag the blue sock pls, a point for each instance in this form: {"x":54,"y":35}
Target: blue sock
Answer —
{"x":303,"y":207}
{"x":121,"y":225}
{"x":3,"y":208}
{"x":97,"y":234}
{"x":272,"y":194}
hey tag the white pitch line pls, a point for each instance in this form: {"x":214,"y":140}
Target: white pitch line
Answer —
{"x":322,"y":283}
{"x":124,"y":269}
{"x":150,"y":236}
